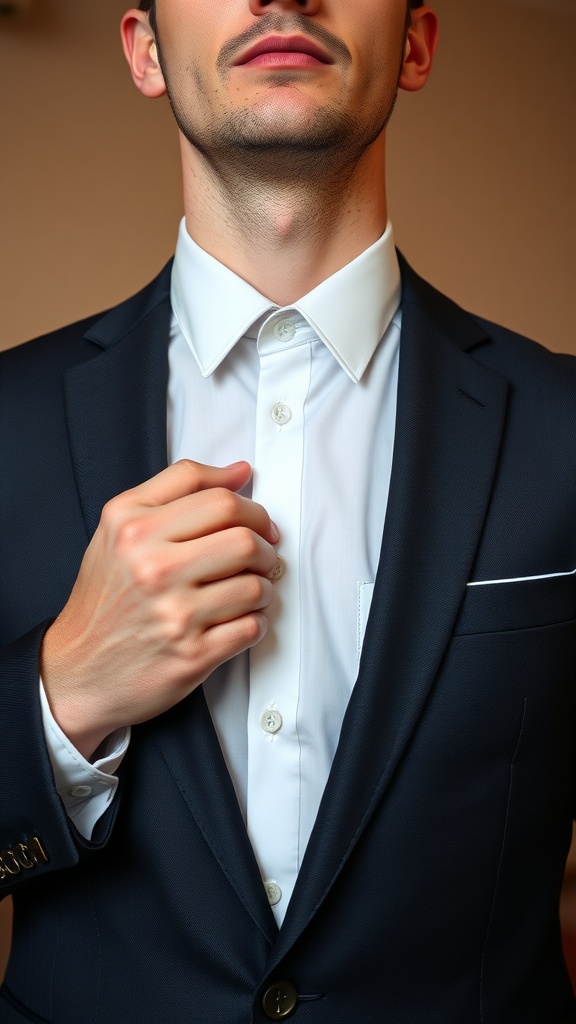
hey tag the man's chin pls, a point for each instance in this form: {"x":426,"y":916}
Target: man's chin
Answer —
{"x":286,"y":128}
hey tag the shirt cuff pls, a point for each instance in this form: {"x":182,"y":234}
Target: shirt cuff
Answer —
{"x":86,"y":789}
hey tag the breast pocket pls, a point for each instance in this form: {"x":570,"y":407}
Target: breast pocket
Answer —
{"x":525,"y":604}
{"x":364,"y":593}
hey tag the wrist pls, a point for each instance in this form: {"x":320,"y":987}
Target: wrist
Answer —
{"x":64,"y":696}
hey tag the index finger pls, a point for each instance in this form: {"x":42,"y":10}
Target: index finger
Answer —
{"x":187,"y":477}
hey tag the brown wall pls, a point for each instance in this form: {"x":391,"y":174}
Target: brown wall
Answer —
{"x":89,"y":176}
{"x":482,"y":167}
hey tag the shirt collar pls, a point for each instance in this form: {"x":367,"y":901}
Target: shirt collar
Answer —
{"x":350,"y":311}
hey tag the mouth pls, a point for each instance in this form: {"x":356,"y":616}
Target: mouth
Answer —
{"x":284,"y":51}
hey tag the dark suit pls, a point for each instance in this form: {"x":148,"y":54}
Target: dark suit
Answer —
{"x":429,"y":890}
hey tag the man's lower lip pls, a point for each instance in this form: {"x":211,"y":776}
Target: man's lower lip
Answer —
{"x":283,"y":59}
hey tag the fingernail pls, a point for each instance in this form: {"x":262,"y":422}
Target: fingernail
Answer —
{"x":274,"y":530}
{"x":278,"y":570}
{"x":232,"y":465}
{"x":263,"y":625}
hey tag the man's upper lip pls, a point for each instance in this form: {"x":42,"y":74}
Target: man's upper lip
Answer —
{"x":285,"y":44}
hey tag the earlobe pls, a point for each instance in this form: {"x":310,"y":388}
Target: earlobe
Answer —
{"x":421,"y":42}
{"x":141,"y":53}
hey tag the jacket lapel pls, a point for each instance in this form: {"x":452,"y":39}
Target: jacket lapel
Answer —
{"x":448,"y":431}
{"x":116,"y":412}
{"x":116,"y":401}
{"x":192,"y":752}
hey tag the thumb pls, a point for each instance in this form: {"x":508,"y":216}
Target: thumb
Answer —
{"x":187,"y":477}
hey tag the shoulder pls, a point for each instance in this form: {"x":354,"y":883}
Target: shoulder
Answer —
{"x":521,"y":360}
{"x":49,"y":355}
{"x":515,"y":352}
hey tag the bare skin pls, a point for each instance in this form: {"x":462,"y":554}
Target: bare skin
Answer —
{"x":283,"y":161}
{"x":172,"y":584}
{"x":287,"y":217}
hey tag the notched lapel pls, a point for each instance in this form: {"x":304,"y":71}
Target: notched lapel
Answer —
{"x":449,"y":427}
{"x":116,"y":410}
{"x":191,"y":750}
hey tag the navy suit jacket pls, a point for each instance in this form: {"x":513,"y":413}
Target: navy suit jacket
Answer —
{"x":429,"y":890}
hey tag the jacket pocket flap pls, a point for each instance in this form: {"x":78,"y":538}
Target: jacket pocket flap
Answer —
{"x":524,"y":604}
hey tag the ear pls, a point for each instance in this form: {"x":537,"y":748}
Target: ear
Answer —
{"x":421,"y":42}
{"x":141,"y":53}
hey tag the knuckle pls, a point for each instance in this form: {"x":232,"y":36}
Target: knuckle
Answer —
{"x":258,"y":590}
{"x":261,"y":510}
{"x":130,"y":533}
{"x":172,"y":622}
{"x":149,"y":574}
{"x":251,"y":629}
{"x":228,"y":503}
{"x":186,"y":467}
{"x":246,"y":543}
{"x":113,"y":512}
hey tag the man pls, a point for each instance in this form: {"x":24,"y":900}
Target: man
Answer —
{"x":347,"y":657}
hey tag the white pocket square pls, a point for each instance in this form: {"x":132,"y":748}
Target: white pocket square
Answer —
{"x":521,"y":579}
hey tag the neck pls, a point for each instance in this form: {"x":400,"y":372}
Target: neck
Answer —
{"x":285,"y":235}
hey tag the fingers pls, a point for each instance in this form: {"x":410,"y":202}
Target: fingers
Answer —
{"x":173,"y":583}
{"x":186,"y":477}
{"x":227,"y":600}
{"x":212,"y":511}
{"x":186,"y":501}
{"x":219,"y":556}
{"x":220,"y":576}
{"x":231,"y":638}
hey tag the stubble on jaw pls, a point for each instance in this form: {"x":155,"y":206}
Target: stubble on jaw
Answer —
{"x":331,"y":135}
{"x":252,"y":156}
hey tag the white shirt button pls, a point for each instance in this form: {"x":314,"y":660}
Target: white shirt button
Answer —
{"x":271,"y":721}
{"x":284,"y":330}
{"x":281,"y":413}
{"x":273,"y":892}
{"x":80,"y":792}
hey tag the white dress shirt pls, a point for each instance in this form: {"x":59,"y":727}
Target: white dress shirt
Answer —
{"x":307,"y":395}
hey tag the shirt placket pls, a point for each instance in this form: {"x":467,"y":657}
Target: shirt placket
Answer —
{"x":274,"y":777}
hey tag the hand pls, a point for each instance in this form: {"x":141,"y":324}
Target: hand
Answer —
{"x":172,"y":584}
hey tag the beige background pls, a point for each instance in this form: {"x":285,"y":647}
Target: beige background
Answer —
{"x":482,"y":167}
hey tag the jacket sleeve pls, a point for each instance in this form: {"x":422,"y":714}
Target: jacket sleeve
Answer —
{"x":36,"y":835}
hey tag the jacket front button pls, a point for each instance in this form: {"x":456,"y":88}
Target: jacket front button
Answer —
{"x":280,"y":1000}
